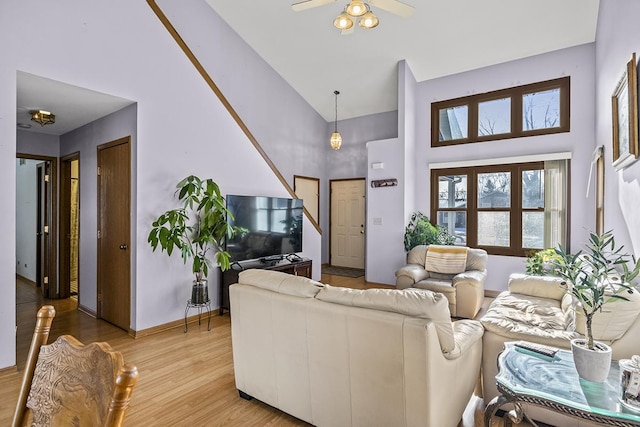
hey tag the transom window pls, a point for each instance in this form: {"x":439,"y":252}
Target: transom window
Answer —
{"x":534,"y":109}
{"x":505,"y":209}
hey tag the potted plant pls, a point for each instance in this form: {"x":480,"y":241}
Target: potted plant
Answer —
{"x":543,"y":263}
{"x":195,"y":229}
{"x":600,"y":275}
{"x":420,"y":231}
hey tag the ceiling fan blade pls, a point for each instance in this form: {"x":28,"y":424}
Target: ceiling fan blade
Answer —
{"x":309,"y":4}
{"x":394,"y":6}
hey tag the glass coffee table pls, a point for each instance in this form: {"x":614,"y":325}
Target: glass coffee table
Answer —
{"x":554,"y":384}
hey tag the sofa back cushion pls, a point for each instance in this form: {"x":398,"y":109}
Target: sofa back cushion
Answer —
{"x":614,"y":320}
{"x":412,"y":302}
{"x":283,"y":283}
{"x":476,"y":260}
{"x":537,"y":286}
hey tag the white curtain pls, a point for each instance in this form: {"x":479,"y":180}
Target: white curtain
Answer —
{"x":555,"y":202}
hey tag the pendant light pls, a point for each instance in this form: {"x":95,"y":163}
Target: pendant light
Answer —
{"x":336,"y":138}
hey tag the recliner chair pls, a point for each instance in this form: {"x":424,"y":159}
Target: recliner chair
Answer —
{"x":464,"y":290}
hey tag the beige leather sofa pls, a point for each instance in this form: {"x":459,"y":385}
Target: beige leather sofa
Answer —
{"x":465,"y":291}
{"x":343,"y":357}
{"x":538,"y":309}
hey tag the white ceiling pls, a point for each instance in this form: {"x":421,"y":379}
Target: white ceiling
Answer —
{"x":73,"y":106}
{"x":442,"y":37}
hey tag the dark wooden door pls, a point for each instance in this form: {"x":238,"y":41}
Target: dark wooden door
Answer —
{"x":114,"y":258}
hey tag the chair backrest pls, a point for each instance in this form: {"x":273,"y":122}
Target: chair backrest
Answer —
{"x":476,"y":258}
{"x":68,"y":383}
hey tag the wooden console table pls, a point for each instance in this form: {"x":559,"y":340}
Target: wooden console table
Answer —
{"x":302,"y":267}
{"x":554,"y":384}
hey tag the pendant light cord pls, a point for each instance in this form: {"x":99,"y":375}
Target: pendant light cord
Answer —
{"x":336,"y":121}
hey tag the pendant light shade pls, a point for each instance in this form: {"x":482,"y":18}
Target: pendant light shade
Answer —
{"x":336,"y":138}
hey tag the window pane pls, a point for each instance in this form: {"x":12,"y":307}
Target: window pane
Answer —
{"x":533,"y":189}
{"x":493,"y":228}
{"x":456,"y":225}
{"x":452,"y":191}
{"x":541,"y":110}
{"x":494,"y":117}
{"x":494,"y":190}
{"x":453,"y":123}
{"x":533,"y":230}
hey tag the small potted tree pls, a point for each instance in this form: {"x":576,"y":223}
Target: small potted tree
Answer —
{"x":195,"y":229}
{"x":600,"y":275}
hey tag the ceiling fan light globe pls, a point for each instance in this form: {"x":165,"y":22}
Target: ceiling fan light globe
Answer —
{"x":343,"y":22}
{"x":356,"y":8}
{"x":369,"y":20}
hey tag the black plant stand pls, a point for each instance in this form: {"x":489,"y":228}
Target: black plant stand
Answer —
{"x":200,"y":307}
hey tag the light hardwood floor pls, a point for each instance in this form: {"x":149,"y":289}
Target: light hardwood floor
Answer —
{"x":186,"y":379}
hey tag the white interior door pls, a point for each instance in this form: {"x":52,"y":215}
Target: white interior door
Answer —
{"x":347,"y":223}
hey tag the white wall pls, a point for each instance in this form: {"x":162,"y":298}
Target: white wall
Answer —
{"x":26,"y":217}
{"x":385,"y":250}
{"x":618,"y":36}
{"x":121,"y":48}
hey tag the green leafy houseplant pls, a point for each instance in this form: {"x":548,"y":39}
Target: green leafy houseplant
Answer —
{"x":196,"y":228}
{"x":543,"y":263}
{"x":600,"y":275}
{"x":420,"y":231}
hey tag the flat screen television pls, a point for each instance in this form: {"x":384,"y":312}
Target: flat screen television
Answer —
{"x":267,"y":228}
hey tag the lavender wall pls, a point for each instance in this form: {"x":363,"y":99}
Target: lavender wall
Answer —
{"x":351,"y":160}
{"x":618,"y":36}
{"x":36,"y":143}
{"x":182,"y":128}
{"x":576,"y":62}
{"x":85,"y":141}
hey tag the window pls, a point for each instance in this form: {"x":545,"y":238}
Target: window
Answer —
{"x":534,"y":109}
{"x":506,"y":209}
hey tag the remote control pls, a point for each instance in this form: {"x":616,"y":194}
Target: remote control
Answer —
{"x":540,"y":349}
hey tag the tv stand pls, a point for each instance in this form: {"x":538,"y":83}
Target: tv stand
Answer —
{"x":292,"y":265}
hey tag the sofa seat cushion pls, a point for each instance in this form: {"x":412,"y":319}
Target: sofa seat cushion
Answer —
{"x":435,"y":285}
{"x":524,"y":317}
{"x":282,"y":283}
{"x":409,"y":302}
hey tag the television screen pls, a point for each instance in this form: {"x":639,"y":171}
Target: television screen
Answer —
{"x":265,"y":227}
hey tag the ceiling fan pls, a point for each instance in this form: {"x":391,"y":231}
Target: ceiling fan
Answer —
{"x":358,"y":9}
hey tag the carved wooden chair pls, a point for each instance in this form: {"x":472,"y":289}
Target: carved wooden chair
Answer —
{"x":67,"y":383}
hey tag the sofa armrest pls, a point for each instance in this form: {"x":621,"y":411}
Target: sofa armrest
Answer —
{"x":410,"y":274}
{"x":537,"y":286}
{"x":470,"y":277}
{"x":466,"y":333}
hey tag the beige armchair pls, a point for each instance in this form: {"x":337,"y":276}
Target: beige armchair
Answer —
{"x":464,"y":290}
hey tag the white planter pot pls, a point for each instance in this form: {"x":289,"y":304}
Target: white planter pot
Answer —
{"x":592,"y":365}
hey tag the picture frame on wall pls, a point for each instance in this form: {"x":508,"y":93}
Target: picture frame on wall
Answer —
{"x":625,"y":117}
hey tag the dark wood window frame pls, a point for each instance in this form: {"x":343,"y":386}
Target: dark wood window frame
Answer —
{"x":472,"y":209}
{"x":516,"y":94}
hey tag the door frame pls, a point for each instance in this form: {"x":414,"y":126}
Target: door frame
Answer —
{"x":317,"y":182}
{"x":331,"y":181}
{"x":64,"y":227}
{"x":53,"y":226}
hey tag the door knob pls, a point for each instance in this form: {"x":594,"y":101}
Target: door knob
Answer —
{"x":123,"y":247}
